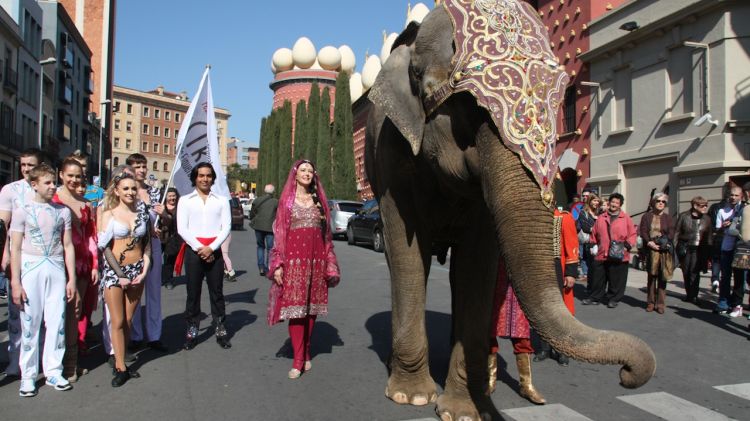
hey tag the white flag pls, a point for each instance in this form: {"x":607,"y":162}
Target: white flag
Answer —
{"x":198,"y":142}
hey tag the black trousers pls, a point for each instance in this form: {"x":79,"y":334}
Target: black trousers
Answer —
{"x":691,"y":272}
{"x":197,"y":269}
{"x":609,"y":280}
{"x":167,"y":268}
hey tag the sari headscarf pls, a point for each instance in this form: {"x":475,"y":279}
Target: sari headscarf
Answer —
{"x":284,"y":219}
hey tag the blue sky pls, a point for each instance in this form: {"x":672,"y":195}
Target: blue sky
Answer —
{"x":169,"y":42}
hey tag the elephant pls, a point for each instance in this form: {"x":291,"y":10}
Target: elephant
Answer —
{"x":444,"y":177}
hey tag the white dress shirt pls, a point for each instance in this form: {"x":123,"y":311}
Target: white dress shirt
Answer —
{"x":196,"y":218}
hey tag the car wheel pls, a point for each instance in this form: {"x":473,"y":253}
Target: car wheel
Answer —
{"x":377,"y":241}
{"x":350,"y":235}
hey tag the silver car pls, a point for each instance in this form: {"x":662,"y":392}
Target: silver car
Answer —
{"x":341,"y":211}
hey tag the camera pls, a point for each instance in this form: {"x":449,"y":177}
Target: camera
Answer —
{"x":665,"y":246}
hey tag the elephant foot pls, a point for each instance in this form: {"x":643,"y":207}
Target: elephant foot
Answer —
{"x":416,"y":390}
{"x":456,"y":408}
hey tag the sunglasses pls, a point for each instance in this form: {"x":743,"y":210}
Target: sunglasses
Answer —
{"x":661,"y":201}
{"x":705,"y":205}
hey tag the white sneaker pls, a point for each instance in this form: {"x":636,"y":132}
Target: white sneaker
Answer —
{"x":737,"y":312}
{"x":59,"y":383}
{"x":714,"y":286}
{"x":27,"y":389}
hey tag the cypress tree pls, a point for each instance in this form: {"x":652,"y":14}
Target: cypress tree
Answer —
{"x":300,"y":136}
{"x":323,"y":154}
{"x":285,"y":141}
{"x":311,"y":130}
{"x":344,"y":178}
{"x":262,"y":151}
{"x":273,"y":155}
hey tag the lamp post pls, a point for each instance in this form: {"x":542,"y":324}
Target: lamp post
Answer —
{"x":41,"y":96}
{"x":102,"y":125}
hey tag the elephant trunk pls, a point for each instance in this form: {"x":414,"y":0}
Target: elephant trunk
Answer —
{"x":524,"y":228}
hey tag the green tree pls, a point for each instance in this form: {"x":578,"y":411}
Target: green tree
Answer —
{"x":343,"y":175}
{"x":311,"y":131}
{"x":273,"y":155}
{"x":262,"y":150}
{"x":323,"y":154}
{"x":285,"y":141}
{"x":237,"y":174}
{"x":301,"y":138}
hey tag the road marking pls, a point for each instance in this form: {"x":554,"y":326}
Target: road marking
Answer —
{"x":553,"y":411}
{"x":742,"y":390}
{"x":670,"y":407}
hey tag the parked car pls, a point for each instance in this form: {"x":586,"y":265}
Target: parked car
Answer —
{"x":366,"y":226}
{"x":238,"y":220}
{"x":341,"y":211}
{"x":246,"y":204}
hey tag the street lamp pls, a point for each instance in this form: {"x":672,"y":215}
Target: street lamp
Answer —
{"x":102,"y":125}
{"x":41,"y":95}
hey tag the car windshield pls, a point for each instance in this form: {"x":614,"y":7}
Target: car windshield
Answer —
{"x":349,"y":207}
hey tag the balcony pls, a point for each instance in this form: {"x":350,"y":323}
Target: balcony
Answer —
{"x":10,"y":80}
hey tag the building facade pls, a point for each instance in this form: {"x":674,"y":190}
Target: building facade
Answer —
{"x":11,"y":144}
{"x":148,"y":122}
{"x":72,"y":82}
{"x":671,"y":112}
{"x":242,"y":153}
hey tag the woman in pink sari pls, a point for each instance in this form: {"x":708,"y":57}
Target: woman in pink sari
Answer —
{"x":303,"y":265}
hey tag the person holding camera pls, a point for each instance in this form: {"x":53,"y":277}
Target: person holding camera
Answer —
{"x":614,"y":236}
{"x":657,"y":231}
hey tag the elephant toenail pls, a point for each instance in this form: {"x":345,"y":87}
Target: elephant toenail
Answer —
{"x":465,"y":418}
{"x":419,"y":400}
{"x":400,"y":397}
{"x":446,"y":416}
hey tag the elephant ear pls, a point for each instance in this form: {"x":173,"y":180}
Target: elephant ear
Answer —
{"x":393,"y":92}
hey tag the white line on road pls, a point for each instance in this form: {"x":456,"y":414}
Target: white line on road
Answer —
{"x":742,"y":390}
{"x":672,"y":408}
{"x":554,"y":411}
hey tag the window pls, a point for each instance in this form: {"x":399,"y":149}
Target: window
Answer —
{"x":116,"y":161}
{"x":569,"y":110}
{"x":166,"y":167}
{"x":177,"y":117}
{"x":176,"y":131}
{"x":166,"y":132}
{"x":622,"y":116}
{"x":166,"y":149}
{"x":155,"y":166}
{"x":156,"y":148}
{"x":145,"y":129}
{"x":145,"y":111}
{"x":144,"y":147}
{"x":129,"y":108}
{"x":116,"y":107}
{"x":117,"y":142}
{"x":680,"y":73}
{"x":157,"y":113}
{"x":156,"y":130}
{"x":129,"y":126}
{"x":167,"y":115}
{"x":117,"y":124}
{"x":128,"y":143}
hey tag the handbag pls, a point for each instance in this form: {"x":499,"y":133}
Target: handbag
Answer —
{"x":741,"y":259}
{"x":616,"y":248}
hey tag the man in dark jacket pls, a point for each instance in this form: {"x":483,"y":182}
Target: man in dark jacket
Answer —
{"x":262,"y":215}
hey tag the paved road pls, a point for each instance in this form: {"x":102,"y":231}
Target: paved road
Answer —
{"x":696,"y":350}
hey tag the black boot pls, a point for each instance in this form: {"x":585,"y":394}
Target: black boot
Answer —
{"x":221,"y":335}
{"x":562,"y":359}
{"x":190,"y":335}
{"x":544,"y":351}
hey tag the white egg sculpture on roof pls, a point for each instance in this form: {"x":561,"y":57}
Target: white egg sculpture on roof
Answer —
{"x":329,"y":58}
{"x":370,"y":71}
{"x":385,"y":52}
{"x":282,"y":60}
{"x":348,"y":60}
{"x":355,"y":86}
{"x":417,"y":13}
{"x":303,"y":53}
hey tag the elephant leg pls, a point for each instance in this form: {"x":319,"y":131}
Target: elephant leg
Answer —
{"x":473,"y":277}
{"x":408,"y":258}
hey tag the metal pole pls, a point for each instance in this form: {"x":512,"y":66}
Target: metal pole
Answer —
{"x":102,"y":125}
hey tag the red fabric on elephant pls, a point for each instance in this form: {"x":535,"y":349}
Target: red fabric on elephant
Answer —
{"x":508,"y":320}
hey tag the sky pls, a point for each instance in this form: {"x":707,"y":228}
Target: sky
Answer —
{"x":169,"y":43}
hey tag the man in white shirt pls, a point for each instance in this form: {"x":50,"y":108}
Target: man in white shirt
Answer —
{"x":13,"y":196}
{"x":724,"y":218}
{"x":204,"y":222}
